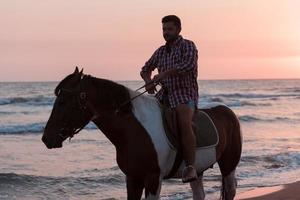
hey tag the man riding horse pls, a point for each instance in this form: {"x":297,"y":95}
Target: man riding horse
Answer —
{"x":176,"y":62}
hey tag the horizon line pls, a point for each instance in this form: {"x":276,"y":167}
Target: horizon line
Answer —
{"x":225,"y":79}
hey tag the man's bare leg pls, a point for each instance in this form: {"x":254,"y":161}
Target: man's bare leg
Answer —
{"x":184,"y":119}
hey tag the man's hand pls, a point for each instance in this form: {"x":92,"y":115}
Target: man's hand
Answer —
{"x":150,"y":87}
{"x":159,"y":77}
{"x":163,"y":75}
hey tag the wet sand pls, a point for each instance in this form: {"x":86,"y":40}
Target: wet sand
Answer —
{"x":282,"y":192}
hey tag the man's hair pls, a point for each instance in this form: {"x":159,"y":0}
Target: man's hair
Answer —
{"x":172,"y":18}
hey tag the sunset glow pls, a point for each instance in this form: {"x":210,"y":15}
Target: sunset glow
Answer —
{"x":45,"y":40}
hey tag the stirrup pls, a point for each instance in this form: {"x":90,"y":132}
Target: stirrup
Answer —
{"x":189,"y":179}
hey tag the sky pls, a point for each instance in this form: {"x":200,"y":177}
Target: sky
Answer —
{"x":236,"y":39}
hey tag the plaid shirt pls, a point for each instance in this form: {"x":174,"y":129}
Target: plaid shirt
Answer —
{"x":183,"y":55}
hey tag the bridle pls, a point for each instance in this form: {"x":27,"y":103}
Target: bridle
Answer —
{"x":82,"y":101}
{"x":71,"y":130}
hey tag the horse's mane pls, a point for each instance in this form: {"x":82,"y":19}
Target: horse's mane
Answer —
{"x":111,"y":94}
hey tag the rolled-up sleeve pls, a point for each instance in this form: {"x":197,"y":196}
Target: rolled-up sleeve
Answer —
{"x":151,"y":64}
{"x":190,"y":57}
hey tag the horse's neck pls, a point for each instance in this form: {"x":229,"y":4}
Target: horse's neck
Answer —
{"x":111,"y":126}
{"x":118,"y":128}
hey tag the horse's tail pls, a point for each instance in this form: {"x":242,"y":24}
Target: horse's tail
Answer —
{"x":232,"y":153}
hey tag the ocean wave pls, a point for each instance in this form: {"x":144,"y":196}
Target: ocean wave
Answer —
{"x":111,"y":178}
{"x":246,"y":103}
{"x":37,"y":101}
{"x":216,"y":99}
{"x":291,"y":89}
{"x":233,"y":103}
{"x":17,"y":112}
{"x":252,"y":96}
{"x":290,"y":160}
{"x":91,"y":172}
{"x":249,"y":118}
{"x":15,"y":186}
{"x":23,"y":128}
{"x":30,"y":128}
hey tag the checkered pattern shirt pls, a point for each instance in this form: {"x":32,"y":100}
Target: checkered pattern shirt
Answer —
{"x":183,"y":55}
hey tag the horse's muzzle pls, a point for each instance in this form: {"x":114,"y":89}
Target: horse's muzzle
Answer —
{"x":50,"y":144}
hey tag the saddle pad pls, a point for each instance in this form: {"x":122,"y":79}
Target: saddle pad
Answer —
{"x":204,"y":128}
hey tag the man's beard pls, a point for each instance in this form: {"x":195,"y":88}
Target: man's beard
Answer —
{"x":169,"y":41}
{"x":169,"y":38}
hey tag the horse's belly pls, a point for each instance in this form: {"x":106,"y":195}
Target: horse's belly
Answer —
{"x":205,"y":158}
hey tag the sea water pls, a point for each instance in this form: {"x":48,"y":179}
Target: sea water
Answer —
{"x":85,"y":168}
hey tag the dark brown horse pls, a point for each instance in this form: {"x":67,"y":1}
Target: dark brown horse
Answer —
{"x":136,"y":130}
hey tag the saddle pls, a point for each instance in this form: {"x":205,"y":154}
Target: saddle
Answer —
{"x":204,"y":129}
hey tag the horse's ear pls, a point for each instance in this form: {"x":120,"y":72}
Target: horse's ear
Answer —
{"x":81,"y":72}
{"x":76,"y":70}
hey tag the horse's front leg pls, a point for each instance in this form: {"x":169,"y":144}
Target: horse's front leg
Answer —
{"x":153,"y":186}
{"x":135,"y":188}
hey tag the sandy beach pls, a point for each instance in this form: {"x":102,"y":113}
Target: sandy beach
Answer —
{"x":282,"y":192}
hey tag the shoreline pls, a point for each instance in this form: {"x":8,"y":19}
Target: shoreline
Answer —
{"x":289,"y":191}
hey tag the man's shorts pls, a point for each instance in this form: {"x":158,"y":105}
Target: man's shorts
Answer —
{"x":191,"y":104}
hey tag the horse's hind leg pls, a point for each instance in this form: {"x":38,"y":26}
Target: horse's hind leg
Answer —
{"x":197,"y":188}
{"x":229,"y":185}
{"x":229,"y":182}
{"x":231,"y":140}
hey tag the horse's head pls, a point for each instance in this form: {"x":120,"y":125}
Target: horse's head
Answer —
{"x":69,"y":114}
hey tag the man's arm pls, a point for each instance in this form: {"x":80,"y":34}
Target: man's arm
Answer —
{"x":147,"y":69}
{"x":149,"y":66}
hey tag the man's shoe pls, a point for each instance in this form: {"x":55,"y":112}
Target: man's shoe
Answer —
{"x":189,"y":174}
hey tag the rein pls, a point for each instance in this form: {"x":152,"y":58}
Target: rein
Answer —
{"x":134,"y":97}
{"x":81,"y":97}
